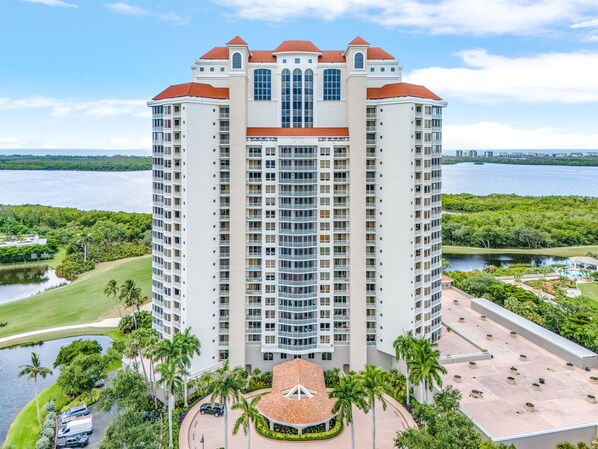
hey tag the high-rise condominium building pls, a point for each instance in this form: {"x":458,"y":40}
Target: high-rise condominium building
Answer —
{"x":296,"y":206}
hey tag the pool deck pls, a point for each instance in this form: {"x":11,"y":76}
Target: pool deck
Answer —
{"x":561,"y":401}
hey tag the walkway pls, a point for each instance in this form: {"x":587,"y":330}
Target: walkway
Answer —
{"x":388,"y":422}
{"x":45,"y":334}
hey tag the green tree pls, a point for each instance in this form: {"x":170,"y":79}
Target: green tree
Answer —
{"x":84,"y":240}
{"x":348,"y":393}
{"x":189,"y":345}
{"x":131,"y":431}
{"x":77,"y":347}
{"x":171,"y":380}
{"x":82,"y":374}
{"x":249,"y":415}
{"x":425,"y":367}
{"x":374,"y":383}
{"x":31,"y":372}
{"x":403,"y":347}
{"x":130,"y":295}
{"x":112,"y":291}
{"x":128,"y":390}
{"x":225,"y":385}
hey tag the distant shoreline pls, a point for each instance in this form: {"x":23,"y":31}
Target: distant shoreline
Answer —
{"x":112,"y":163}
{"x":584,"y":161}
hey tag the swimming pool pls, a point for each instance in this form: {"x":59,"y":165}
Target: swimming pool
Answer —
{"x":572,"y":273}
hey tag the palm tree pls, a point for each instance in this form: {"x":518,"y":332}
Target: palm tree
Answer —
{"x":226,"y":384}
{"x":130,"y":295}
{"x":31,"y":372}
{"x":111,"y":290}
{"x":189,"y":345}
{"x":424,"y":365}
{"x":349,"y":392}
{"x":403,"y":347}
{"x":171,"y":380}
{"x":134,"y":348}
{"x":375,"y":385}
{"x":249,"y":415}
{"x":84,"y":240}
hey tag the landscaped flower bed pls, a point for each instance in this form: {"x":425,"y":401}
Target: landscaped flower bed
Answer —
{"x":286,"y":433}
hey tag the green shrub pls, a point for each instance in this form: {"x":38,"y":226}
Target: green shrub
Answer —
{"x":48,"y":433}
{"x":142,"y":318}
{"x":84,"y":399}
{"x":43,"y":443}
{"x":50,"y":406}
{"x":264,"y":430}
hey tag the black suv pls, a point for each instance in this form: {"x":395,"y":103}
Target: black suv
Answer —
{"x":212,"y":409}
{"x":74,"y":441}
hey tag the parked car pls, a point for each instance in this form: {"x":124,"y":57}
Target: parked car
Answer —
{"x":74,"y":441}
{"x":215,"y":409}
{"x":100,"y":383}
{"x":77,"y":426}
{"x":74,"y":412}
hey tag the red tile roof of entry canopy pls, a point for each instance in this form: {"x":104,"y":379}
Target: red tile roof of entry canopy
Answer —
{"x":297,"y":46}
{"x":297,"y":132}
{"x":401,"y":90}
{"x":193,"y":90}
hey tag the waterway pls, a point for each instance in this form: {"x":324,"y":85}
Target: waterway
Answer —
{"x":469,"y":262}
{"x":16,"y":393}
{"x":131,"y":191}
{"x":22,"y":282}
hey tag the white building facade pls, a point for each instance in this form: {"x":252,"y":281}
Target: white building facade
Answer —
{"x":297,"y":206}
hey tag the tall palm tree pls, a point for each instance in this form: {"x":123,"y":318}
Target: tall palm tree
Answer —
{"x":31,"y":372}
{"x":130,"y":296}
{"x":189,"y":345}
{"x":249,"y":415}
{"x":133,"y":350}
{"x":349,"y":392}
{"x":424,"y":365}
{"x":226,"y":385}
{"x":84,"y":240}
{"x":403,"y":347}
{"x":172,"y":381}
{"x":111,"y":290}
{"x":375,"y":384}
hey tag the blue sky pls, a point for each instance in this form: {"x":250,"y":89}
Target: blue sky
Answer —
{"x":516,"y":73}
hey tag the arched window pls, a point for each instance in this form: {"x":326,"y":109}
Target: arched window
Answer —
{"x":332,"y":85}
{"x":285,"y":100}
{"x":262,"y":84}
{"x":358,"y":62}
{"x":297,"y":98}
{"x":308,"y":104}
{"x":237,"y":61}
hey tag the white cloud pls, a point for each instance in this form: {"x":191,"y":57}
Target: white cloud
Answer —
{"x":55,"y":3}
{"x":492,"y":135}
{"x":478,"y":17}
{"x":132,"y":10}
{"x":586,"y":24}
{"x":92,"y":108}
{"x":543,"y":78}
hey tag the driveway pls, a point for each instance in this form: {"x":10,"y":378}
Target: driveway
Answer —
{"x":395,"y":418}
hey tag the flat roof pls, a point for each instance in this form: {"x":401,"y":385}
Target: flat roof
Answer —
{"x":501,"y":411}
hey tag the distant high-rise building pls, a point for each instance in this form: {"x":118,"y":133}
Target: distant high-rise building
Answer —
{"x":488,"y":153}
{"x":297,"y":206}
{"x":459,"y":153}
{"x":472,"y":153}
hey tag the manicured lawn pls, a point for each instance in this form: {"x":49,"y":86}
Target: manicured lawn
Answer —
{"x":77,"y":303}
{"x":52,"y":263}
{"x":56,"y":334}
{"x":564,"y":251}
{"x":24,"y":431}
{"x":590,"y":290}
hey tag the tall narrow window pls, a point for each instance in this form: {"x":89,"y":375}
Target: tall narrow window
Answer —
{"x":308,"y":111}
{"x":358,"y":60}
{"x":297,"y":98}
{"x":285,"y":89}
{"x":332,"y":85}
{"x":262,"y":84}
{"x":237,"y":61}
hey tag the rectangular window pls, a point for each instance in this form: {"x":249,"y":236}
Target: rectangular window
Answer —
{"x":332,"y":85}
{"x":297,"y":60}
{"x":262,"y":85}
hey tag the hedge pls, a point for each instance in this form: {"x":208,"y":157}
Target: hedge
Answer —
{"x":263,"y":430}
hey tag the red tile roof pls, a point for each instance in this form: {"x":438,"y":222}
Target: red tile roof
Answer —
{"x":332,"y":56}
{"x":378,"y":53}
{"x":236,"y":41}
{"x":359,"y":41}
{"x":261,"y":56}
{"x":292,"y":132}
{"x":216,"y":53}
{"x":401,"y":90}
{"x":296,"y":46}
{"x":300,"y":412}
{"x":193,"y":90}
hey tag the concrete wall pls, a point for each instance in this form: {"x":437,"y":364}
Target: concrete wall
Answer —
{"x":550,"y":341}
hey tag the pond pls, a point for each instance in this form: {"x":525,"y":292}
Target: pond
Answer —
{"x":16,"y":393}
{"x":469,"y":262}
{"x":22,"y":282}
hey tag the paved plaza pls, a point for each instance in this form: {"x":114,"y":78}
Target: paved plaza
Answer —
{"x":388,"y":422}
